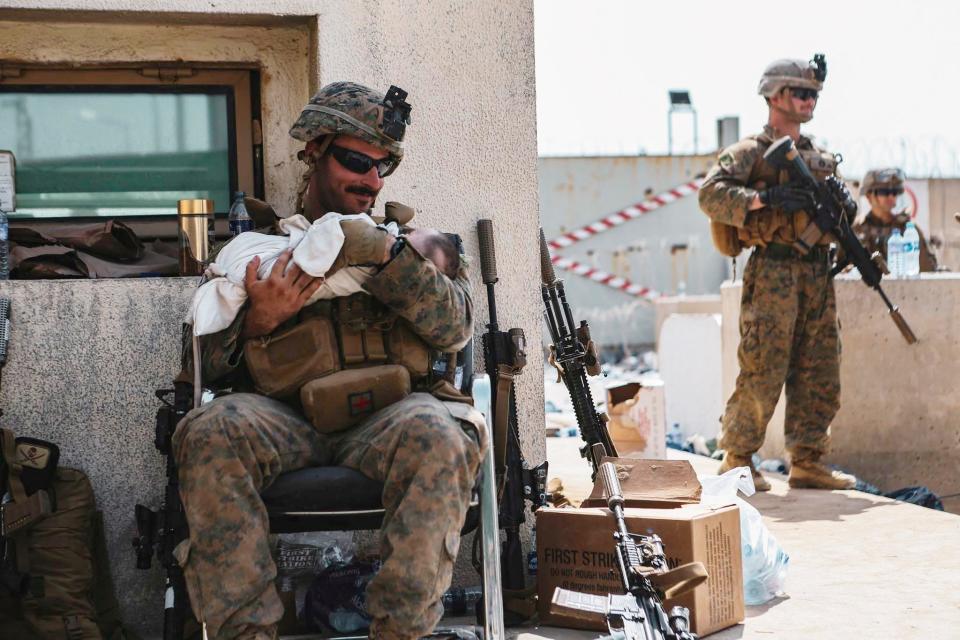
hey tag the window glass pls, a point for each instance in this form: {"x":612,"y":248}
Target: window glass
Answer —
{"x":116,"y":151}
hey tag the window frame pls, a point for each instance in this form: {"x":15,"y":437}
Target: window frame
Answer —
{"x":240,"y":83}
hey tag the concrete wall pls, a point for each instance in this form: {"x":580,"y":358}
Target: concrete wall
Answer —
{"x":90,"y":354}
{"x":577,"y":191}
{"x":898,"y":424}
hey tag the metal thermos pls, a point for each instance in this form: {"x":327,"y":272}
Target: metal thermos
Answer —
{"x":195,"y":226}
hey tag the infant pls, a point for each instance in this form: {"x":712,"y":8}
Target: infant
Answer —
{"x":316,"y":247}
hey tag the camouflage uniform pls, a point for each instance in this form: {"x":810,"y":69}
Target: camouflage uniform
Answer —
{"x":874,"y":233}
{"x":788,"y":318}
{"x":425,"y":451}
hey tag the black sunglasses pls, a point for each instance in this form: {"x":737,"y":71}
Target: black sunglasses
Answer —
{"x":888,"y":192}
{"x":361,"y":163}
{"x":802,"y":93}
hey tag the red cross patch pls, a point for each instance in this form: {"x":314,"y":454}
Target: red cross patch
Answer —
{"x":360,"y":403}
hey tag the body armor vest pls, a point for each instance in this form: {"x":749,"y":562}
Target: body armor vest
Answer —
{"x":771,"y":224}
{"x":345,"y":358}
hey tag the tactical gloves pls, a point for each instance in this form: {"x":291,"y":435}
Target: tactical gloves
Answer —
{"x":363,"y":243}
{"x":788,"y":197}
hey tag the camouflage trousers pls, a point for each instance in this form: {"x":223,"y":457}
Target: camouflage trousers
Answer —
{"x":788,"y":336}
{"x":232,"y":448}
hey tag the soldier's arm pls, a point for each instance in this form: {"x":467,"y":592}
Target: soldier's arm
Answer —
{"x":724,"y":195}
{"x":440,"y":310}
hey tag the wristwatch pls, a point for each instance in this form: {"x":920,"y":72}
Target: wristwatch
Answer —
{"x":397,"y":247}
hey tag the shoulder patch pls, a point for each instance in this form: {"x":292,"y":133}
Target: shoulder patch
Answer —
{"x":725,"y":161}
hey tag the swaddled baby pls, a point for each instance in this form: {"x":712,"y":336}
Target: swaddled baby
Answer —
{"x":316,"y":248}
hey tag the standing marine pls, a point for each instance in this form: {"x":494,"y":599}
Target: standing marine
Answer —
{"x":284,"y":362}
{"x":789,"y":335}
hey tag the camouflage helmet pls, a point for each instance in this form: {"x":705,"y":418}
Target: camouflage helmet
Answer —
{"x":792,"y":73}
{"x":889,"y":178}
{"x":347,"y":108}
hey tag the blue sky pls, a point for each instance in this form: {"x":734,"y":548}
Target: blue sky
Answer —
{"x":891,"y":94}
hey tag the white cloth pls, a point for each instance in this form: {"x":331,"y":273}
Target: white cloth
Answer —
{"x":217,"y":302}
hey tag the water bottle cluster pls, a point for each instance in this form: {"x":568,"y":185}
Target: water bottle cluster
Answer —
{"x":903,"y":253}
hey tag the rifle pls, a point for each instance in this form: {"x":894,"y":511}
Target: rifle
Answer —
{"x":504,"y":358}
{"x":637,"y":615}
{"x":833,"y":210}
{"x":164,"y":528}
{"x":574,"y":356}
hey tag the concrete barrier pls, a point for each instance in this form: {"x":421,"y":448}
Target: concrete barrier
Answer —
{"x":899,"y":421}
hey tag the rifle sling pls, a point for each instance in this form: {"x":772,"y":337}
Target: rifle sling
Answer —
{"x":501,"y":420}
{"x":680,"y":580}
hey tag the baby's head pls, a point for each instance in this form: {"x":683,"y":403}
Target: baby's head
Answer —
{"x":438,"y":248}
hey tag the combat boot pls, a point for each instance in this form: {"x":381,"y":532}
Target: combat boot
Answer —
{"x":732,"y":461}
{"x":814,"y":475}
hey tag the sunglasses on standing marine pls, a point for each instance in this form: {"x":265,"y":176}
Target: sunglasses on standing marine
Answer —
{"x":888,"y":192}
{"x":802,"y":93}
{"x":361,"y":163}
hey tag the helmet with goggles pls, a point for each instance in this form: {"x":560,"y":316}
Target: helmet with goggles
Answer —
{"x":799,"y":74}
{"x":890,"y":179}
{"x":347,"y":108}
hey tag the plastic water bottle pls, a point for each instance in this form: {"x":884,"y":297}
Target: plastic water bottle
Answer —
{"x":895,"y":254}
{"x":911,"y":252}
{"x":765,"y":563}
{"x":675,"y":437}
{"x":239,"y":220}
{"x":4,"y":246}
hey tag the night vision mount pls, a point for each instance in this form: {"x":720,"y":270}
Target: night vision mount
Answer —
{"x":819,"y":64}
{"x":396,"y":113}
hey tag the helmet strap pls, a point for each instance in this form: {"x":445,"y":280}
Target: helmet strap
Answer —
{"x":311,"y":159}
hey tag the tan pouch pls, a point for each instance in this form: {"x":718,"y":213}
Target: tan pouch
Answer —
{"x":726,"y":239}
{"x":406,"y":348}
{"x":346,"y":398}
{"x":284,"y":361}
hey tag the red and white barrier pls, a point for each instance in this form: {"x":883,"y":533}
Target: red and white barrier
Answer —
{"x":625,"y":215}
{"x":604,"y":278}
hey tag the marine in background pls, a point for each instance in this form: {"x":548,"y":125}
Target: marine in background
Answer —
{"x":882,"y":188}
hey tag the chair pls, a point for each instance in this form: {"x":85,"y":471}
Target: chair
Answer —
{"x":343,"y":499}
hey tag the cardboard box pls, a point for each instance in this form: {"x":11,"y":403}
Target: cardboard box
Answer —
{"x":637,"y":420}
{"x":650,"y":483}
{"x":576,"y":550}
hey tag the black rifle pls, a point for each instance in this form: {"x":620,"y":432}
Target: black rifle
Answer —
{"x":637,"y":615}
{"x":164,"y":528}
{"x":575,"y":356}
{"x":834,"y":208}
{"x":504,"y":358}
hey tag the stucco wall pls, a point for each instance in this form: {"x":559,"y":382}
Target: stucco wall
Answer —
{"x":471,"y":153}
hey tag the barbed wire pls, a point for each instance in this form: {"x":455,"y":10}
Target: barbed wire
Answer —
{"x":932,"y":156}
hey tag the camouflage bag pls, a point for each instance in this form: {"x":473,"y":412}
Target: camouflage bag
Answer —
{"x":57,"y":576}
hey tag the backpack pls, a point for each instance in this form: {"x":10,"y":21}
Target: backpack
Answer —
{"x":54,"y":575}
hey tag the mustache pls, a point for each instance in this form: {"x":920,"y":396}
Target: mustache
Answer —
{"x":362,"y":191}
